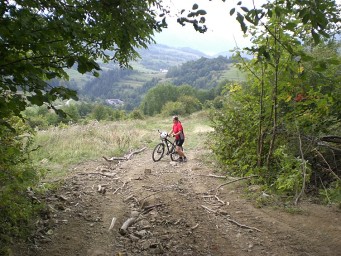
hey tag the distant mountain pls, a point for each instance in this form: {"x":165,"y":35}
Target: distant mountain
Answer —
{"x":158,"y":64}
{"x":227,"y":54}
{"x":159,"y":56}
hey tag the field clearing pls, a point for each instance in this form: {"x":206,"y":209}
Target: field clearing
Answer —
{"x":62,"y":147}
{"x":233,"y":74}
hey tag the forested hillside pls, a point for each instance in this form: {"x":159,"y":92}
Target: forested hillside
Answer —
{"x":131,"y":85}
{"x":203,"y":73}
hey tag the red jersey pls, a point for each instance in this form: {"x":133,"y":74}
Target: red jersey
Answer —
{"x":176,"y":128}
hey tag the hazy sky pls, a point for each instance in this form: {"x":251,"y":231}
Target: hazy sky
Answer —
{"x":224,"y":32}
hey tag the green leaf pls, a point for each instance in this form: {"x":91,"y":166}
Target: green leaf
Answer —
{"x":96,"y":74}
{"x":202,"y":20}
{"x":303,"y":12}
{"x":316,"y":36}
{"x":249,"y":19}
{"x":244,"y":9}
{"x":201,"y":12}
{"x":51,"y":75}
{"x":290,"y":26}
{"x":232,"y":11}
{"x":195,"y":6}
{"x":306,"y":18}
{"x":70,"y":62}
{"x":37,"y":99}
{"x":266,"y":54}
{"x":270,"y":13}
{"x":278,"y":11}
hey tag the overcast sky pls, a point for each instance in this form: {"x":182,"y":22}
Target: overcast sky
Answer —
{"x":224,"y":32}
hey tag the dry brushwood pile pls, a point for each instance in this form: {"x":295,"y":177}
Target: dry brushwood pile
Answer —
{"x":134,"y":206}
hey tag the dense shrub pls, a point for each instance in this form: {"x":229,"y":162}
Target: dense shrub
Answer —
{"x":17,"y":175}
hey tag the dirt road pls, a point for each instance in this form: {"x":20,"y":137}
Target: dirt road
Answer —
{"x":177,"y":211}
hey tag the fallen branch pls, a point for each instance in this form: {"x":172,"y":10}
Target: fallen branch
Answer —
{"x":208,"y":209}
{"x":101,"y":189}
{"x":219,"y":200}
{"x":241,"y":225}
{"x":119,"y":188}
{"x":212,"y":176}
{"x":115,"y":159}
{"x":134,"y":217}
{"x":135,"y":152}
{"x":128,"y":198}
{"x":177,"y":222}
{"x":123,"y":158}
{"x":127,"y":224}
{"x":99,"y":173}
{"x":148,"y":208}
{"x":112,"y":223}
{"x":243,"y":178}
{"x":144,"y":199}
{"x":194,"y":227}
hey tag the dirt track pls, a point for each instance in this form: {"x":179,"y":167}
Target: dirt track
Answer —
{"x":178,"y":214}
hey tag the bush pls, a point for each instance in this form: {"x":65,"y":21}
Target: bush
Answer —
{"x":173,"y":108}
{"x":136,"y":114}
{"x":190,"y":104}
{"x":234,"y":140}
{"x":17,"y":174}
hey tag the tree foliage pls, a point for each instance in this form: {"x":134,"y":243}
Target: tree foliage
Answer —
{"x":169,"y":98}
{"x":39,"y":39}
{"x":288,"y":103}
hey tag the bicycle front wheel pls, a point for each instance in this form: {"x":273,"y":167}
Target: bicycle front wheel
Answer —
{"x":158,"y":152}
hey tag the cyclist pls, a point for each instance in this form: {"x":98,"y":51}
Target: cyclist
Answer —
{"x":178,"y":133}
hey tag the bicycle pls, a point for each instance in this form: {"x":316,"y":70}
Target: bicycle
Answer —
{"x":160,"y":148}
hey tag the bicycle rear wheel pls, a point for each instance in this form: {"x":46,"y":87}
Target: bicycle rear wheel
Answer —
{"x":158,"y":152}
{"x":174,"y":155}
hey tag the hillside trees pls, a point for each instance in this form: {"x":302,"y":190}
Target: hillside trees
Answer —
{"x":202,"y":73}
{"x":107,"y":85}
{"x":273,"y":125}
{"x":156,"y":97}
{"x":170,"y":99}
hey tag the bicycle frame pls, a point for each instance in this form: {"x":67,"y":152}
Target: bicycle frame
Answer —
{"x":169,"y":144}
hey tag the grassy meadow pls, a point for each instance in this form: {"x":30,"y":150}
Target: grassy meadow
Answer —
{"x":60,"y":148}
{"x":233,"y":74}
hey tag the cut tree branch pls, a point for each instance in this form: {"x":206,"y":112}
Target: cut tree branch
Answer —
{"x":241,"y":225}
{"x":124,"y":158}
{"x":212,"y":176}
{"x":232,"y":181}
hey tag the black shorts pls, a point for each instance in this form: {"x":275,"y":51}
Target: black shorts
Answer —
{"x":179,"y":142}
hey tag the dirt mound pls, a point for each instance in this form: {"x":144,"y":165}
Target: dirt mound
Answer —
{"x":138,"y":207}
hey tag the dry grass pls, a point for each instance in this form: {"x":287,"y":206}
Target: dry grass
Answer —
{"x":63,"y":147}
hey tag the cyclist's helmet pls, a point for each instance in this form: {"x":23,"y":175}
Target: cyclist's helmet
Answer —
{"x":163,"y":135}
